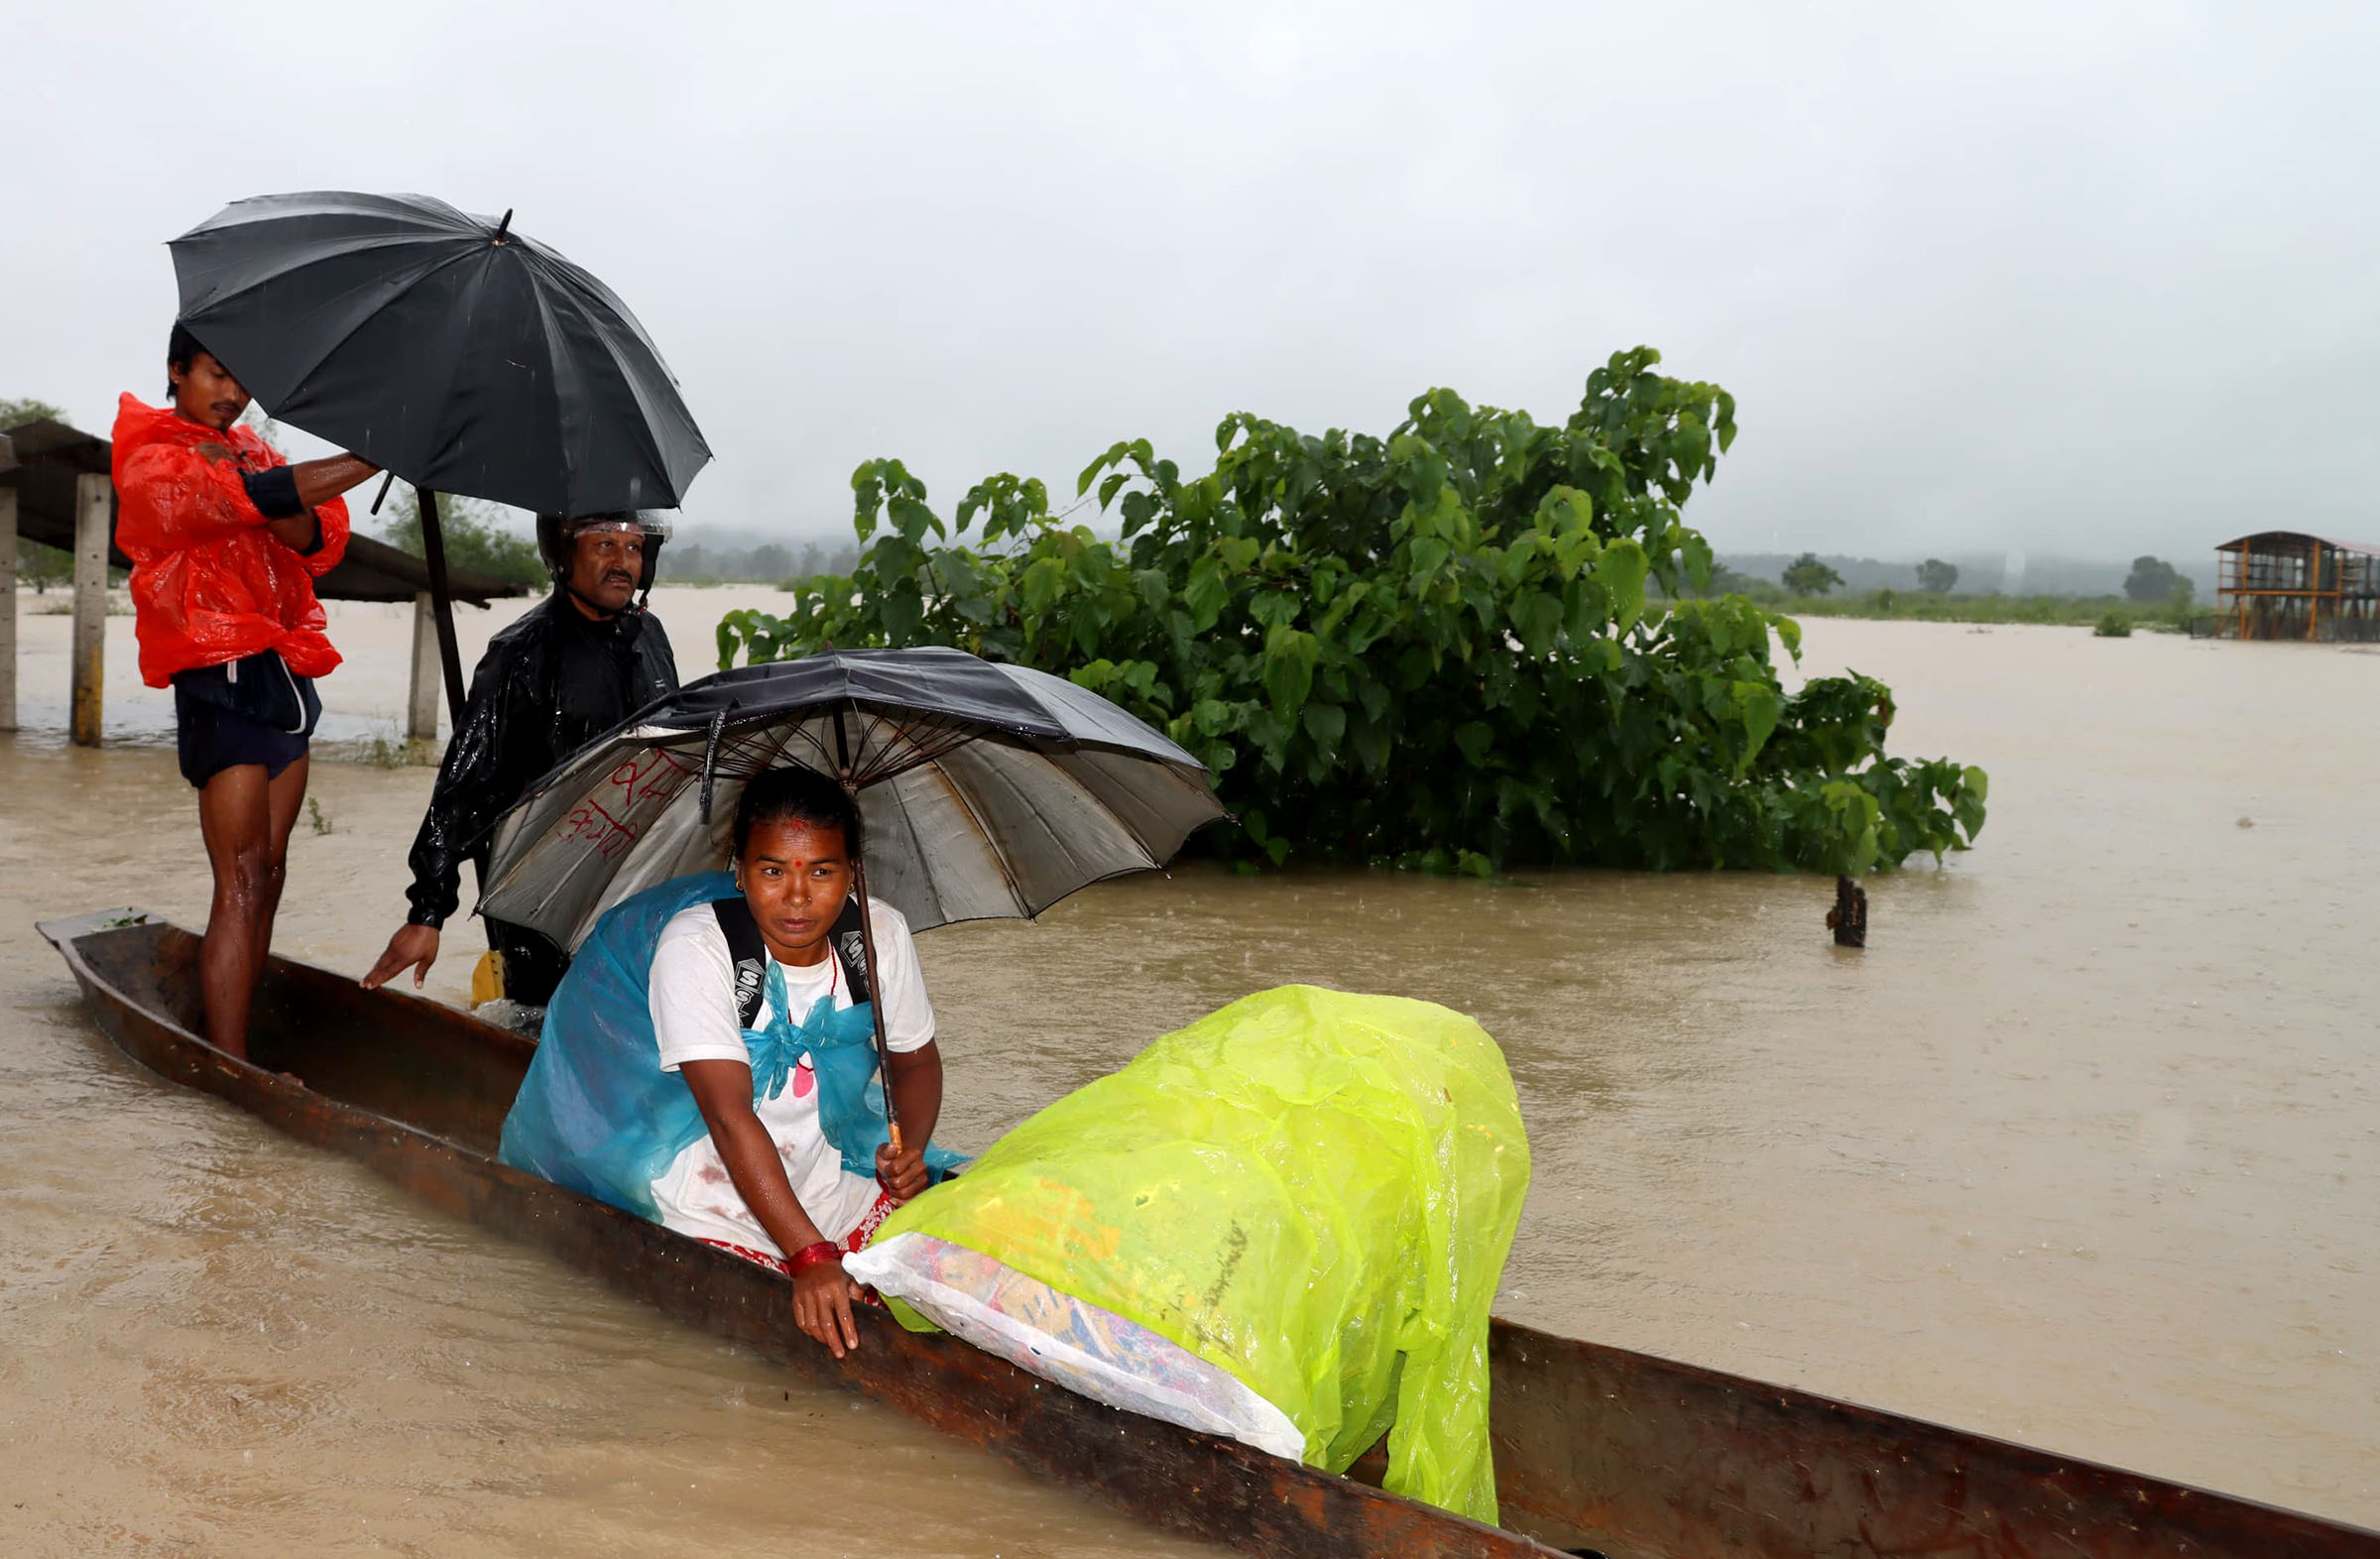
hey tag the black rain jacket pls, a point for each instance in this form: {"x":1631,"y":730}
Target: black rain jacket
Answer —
{"x":549,"y":685}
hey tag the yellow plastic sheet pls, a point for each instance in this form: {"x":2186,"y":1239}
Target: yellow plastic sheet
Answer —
{"x":1312,"y":1190}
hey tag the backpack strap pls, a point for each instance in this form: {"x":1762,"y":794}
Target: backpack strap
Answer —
{"x":852,"y":948}
{"x":748,"y":954}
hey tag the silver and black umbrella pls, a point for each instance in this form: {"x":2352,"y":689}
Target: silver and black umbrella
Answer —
{"x":985,"y":789}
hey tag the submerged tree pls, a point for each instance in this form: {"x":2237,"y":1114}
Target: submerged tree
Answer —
{"x":2151,"y":579}
{"x":1433,"y":649}
{"x":1806,"y":575}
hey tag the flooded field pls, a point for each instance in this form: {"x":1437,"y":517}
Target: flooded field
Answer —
{"x":2079,"y":1150}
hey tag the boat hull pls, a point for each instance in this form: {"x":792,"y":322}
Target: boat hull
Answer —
{"x":1597,"y":1448}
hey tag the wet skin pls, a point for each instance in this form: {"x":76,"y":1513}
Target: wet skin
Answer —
{"x":206,"y":393}
{"x":244,"y":817}
{"x":605,"y":567}
{"x":795,"y":877}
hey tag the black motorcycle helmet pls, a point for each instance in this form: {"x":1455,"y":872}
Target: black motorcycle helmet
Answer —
{"x":556,"y":536}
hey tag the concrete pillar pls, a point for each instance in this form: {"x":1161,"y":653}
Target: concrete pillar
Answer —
{"x":421,"y":700}
{"x":93,"y":510}
{"x":8,"y":609}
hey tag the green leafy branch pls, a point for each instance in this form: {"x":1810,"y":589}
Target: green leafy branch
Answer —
{"x":1435,"y":648}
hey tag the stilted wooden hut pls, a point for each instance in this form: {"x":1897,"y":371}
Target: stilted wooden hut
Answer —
{"x":2285,"y":584}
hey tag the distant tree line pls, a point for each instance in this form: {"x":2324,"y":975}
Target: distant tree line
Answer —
{"x":487,"y":539}
{"x":480,"y":536}
{"x":773,"y":562}
{"x":1780,"y":576}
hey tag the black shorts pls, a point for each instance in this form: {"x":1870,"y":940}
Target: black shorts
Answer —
{"x":254,"y":711}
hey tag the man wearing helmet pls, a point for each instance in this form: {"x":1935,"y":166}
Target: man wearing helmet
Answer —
{"x":576,"y":665}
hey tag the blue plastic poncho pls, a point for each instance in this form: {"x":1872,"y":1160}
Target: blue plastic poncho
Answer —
{"x":598,"y":1114}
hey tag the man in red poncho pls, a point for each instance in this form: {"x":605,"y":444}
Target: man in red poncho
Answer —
{"x":226,"y":540}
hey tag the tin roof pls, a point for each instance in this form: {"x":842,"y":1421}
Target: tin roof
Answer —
{"x":2285,"y":540}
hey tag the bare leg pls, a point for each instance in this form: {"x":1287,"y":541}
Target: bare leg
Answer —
{"x":283,"y":795}
{"x":246,"y":823}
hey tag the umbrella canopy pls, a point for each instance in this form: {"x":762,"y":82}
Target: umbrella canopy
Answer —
{"x":985,"y":789}
{"x":444,"y":347}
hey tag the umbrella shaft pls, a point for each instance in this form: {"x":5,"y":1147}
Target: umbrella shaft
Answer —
{"x":441,"y":601}
{"x":876,"y":999}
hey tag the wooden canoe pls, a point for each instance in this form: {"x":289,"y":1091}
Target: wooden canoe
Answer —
{"x":1597,"y":1449}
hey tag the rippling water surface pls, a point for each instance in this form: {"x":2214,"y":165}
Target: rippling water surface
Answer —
{"x":2081,"y":1151}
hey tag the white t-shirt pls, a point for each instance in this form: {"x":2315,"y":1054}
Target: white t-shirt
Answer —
{"x":695,"y":1019}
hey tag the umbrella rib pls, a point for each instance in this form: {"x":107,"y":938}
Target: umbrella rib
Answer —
{"x":799,"y":732}
{"x":555,"y":357}
{"x":643,"y":429}
{"x":999,"y":854}
{"x":1092,"y":802}
{"x":908,"y":824}
{"x":909,"y":745}
{"x":901,"y":749}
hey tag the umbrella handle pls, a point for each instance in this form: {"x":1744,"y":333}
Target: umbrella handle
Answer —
{"x":710,"y":772}
{"x":876,"y":999}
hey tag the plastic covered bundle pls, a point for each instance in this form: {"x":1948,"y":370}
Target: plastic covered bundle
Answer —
{"x":1060,"y":1338}
{"x":1310,"y":1190}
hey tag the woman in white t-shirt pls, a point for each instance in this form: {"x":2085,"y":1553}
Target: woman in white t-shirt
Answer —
{"x":765,"y":1181}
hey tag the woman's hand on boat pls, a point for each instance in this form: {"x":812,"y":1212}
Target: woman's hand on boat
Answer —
{"x":902,"y":1173}
{"x":822,"y":1301}
{"x":416,"y":946}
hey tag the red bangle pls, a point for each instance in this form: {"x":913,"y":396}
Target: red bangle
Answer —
{"x":811,"y":1255}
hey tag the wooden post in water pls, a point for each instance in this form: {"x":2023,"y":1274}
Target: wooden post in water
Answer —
{"x":2313,"y":594}
{"x":94,"y":499}
{"x":1848,"y":918}
{"x":421,"y":700}
{"x":8,"y":608}
{"x":2245,"y":580}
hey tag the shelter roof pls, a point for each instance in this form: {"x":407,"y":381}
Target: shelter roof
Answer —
{"x":50,"y":455}
{"x":2261,"y":540}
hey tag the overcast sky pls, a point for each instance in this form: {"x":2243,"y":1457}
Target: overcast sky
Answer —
{"x":2085,"y":279}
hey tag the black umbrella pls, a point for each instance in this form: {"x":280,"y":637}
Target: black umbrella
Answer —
{"x":984,"y":789}
{"x":455,"y":352}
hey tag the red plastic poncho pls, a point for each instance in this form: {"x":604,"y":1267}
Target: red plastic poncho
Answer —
{"x":210,"y":583}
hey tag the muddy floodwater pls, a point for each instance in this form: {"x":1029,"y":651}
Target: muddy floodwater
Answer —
{"x":2081,"y":1151}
